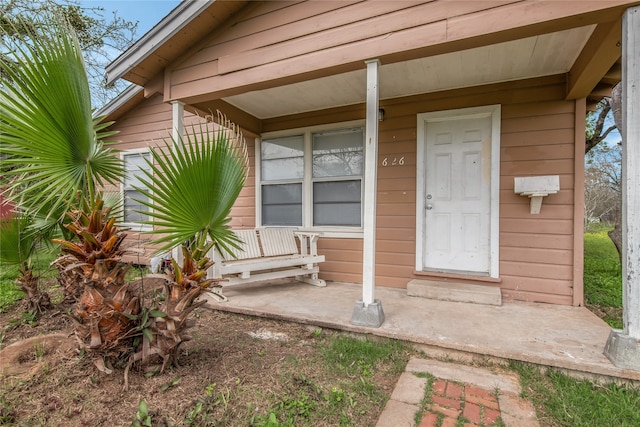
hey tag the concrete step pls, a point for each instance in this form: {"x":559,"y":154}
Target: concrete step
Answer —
{"x":452,"y":291}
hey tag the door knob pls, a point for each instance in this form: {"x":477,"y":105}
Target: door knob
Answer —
{"x":429,"y":206}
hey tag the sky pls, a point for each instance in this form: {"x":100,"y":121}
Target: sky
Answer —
{"x":147,"y":12}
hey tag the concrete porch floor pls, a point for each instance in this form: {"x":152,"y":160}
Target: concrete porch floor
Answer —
{"x":570,"y":338}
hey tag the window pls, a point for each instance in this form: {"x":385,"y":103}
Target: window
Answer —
{"x":282,"y":167}
{"x":313,"y":179}
{"x":133,"y":164}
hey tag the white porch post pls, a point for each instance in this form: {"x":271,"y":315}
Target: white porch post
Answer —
{"x":177,"y":116}
{"x":368,"y":311}
{"x":177,"y":131}
{"x":623,"y":347}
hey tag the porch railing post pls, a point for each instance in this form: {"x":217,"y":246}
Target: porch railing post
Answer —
{"x":623,"y":347}
{"x":177,"y":132}
{"x":368,"y":311}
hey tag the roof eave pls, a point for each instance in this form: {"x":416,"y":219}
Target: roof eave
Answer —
{"x":118,"y":102}
{"x":177,"y":19}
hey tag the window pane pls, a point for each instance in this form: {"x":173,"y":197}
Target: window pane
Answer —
{"x":133,"y":164}
{"x":131,"y":206}
{"x":338,"y":153}
{"x":282,"y":204}
{"x":292,"y":168}
{"x":337,"y":203}
{"x":282,"y":158}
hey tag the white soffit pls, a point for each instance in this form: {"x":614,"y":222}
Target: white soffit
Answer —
{"x":542,"y":55}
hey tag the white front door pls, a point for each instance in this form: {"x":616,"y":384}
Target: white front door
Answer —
{"x":457,"y":194}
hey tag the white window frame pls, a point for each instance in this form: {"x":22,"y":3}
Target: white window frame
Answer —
{"x":308,"y":180}
{"x":135,"y":226}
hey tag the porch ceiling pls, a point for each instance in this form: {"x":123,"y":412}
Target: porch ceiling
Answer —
{"x":542,"y":55}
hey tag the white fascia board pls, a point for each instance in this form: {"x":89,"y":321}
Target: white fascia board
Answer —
{"x":154,"y":38}
{"x":117,"y":102}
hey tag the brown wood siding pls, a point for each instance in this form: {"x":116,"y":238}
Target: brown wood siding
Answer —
{"x":537,"y":134}
{"x":148,"y":124}
{"x":286,"y":37}
{"x":267,"y":42}
{"x":578,"y":204}
{"x":537,"y":138}
{"x":243,"y":213}
{"x":343,"y":259}
{"x":533,"y":273}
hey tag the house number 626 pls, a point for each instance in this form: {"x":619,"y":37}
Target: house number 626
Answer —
{"x":393,"y":162}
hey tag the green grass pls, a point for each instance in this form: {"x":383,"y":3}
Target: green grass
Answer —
{"x":9,"y":292}
{"x":358,"y":356}
{"x":565,"y":401}
{"x":345,"y":389}
{"x":336,"y":386}
{"x":603,"y":276}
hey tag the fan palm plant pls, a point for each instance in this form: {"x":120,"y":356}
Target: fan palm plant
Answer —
{"x":191,"y":187}
{"x":107,"y":308}
{"x":53,"y":150}
{"x":51,"y":144}
{"x":192,"y":184}
{"x":17,"y":248}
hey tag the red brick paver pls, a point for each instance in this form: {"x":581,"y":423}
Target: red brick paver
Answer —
{"x":454,"y":391}
{"x":446,"y":402}
{"x":440,"y":387}
{"x":429,"y":420}
{"x":452,"y":402}
{"x":472,"y":412}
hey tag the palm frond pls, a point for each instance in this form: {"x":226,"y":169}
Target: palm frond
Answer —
{"x":17,"y":244}
{"x":47,"y":130}
{"x":192,"y":184}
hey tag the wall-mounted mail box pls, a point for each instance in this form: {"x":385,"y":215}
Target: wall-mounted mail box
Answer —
{"x":536,"y":187}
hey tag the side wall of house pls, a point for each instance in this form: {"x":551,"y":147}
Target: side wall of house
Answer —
{"x":150,"y":124}
{"x":537,"y":138}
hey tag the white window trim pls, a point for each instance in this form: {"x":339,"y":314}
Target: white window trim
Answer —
{"x":327,"y":231}
{"x":493,"y":111}
{"x":134,"y":226}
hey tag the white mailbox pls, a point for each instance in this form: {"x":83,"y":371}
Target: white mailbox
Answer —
{"x":536,"y":187}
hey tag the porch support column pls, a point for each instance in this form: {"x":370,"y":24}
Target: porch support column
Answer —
{"x":623,"y":347}
{"x":177,"y":131}
{"x":368,"y":311}
{"x":177,"y":118}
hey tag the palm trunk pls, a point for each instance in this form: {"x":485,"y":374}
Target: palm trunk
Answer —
{"x":36,"y":299}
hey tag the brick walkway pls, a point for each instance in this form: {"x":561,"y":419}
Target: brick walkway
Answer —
{"x":452,"y":403}
{"x":460,"y":395}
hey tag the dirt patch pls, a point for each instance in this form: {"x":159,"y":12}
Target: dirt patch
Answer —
{"x":27,"y":357}
{"x":236,"y":371}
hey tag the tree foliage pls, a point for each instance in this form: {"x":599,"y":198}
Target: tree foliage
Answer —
{"x":52,"y":146}
{"x":603,"y":194}
{"x":101,"y":37}
{"x":599,"y":125}
{"x":602,"y":184}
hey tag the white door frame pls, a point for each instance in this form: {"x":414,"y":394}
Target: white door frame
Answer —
{"x":493,"y":111}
